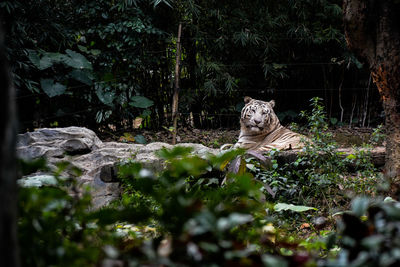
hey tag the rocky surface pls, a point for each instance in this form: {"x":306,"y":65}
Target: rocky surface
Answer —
{"x":96,"y":159}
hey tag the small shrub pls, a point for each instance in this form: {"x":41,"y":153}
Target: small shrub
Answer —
{"x":56,"y":229}
{"x":369,"y":234}
{"x":202,"y":223}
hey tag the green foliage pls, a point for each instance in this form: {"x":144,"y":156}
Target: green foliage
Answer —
{"x":183,"y":216}
{"x":52,"y":88}
{"x":378,"y":136}
{"x":102,"y":55}
{"x":203,"y":223}
{"x":141,"y":102}
{"x":194,"y":220}
{"x":55,"y":228}
{"x":369,"y":234}
{"x":104,"y":62}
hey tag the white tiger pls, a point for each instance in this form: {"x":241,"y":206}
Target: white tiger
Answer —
{"x":261,"y":130}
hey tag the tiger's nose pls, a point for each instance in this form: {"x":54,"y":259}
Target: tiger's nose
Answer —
{"x":257,"y":121}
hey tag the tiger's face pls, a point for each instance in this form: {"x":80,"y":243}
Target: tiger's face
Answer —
{"x":257,"y":116}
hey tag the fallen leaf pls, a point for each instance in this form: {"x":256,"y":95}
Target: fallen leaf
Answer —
{"x":137,"y":122}
{"x":305,"y":225}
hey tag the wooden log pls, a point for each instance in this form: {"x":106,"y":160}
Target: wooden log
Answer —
{"x":377,"y":155}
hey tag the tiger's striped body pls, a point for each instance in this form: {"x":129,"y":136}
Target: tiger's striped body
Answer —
{"x":261,"y":130}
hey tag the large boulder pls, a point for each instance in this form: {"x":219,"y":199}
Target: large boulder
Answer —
{"x":96,"y":159}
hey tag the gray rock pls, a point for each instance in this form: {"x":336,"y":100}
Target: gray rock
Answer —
{"x":108,"y":173}
{"x":56,"y":142}
{"x":320,"y":222}
{"x":96,"y":159}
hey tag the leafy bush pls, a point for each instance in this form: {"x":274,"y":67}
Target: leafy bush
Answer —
{"x":56,"y":229}
{"x":181,"y":216}
{"x":202,"y":222}
{"x":369,"y":234}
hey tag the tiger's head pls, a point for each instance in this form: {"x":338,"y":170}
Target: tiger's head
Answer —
{"x":258,"y":117}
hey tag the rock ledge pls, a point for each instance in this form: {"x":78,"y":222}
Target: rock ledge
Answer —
{"x":83,"y":149}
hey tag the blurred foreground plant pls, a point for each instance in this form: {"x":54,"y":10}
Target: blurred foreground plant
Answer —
{"x":180,"y":216}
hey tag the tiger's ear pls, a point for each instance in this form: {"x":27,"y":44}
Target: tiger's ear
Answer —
{"x":272,"y":103}
{"x":247,"y":99}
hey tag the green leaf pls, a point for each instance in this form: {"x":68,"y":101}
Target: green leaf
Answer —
{"x":177,"y":151}
{"x":45,"y":62}
{"x":82,"y":48}
{"x":34,"y":57}
{"x":41,"y":63}
{"x":157,"y":2}
{"x":140,"y":139}
{"x":273,"y":261}
{"x":389,"y":200}
{"x":95,"y":52}
{"x":278,"y":66}
{"x":145,"y":113}
{"x":265,"y":162}
{"x":106,"y":97}
{"x":77,"y":61}
{"x":52,"y":88}
{"x":242,"y":167}
{"x":359,"y":206}
{"x":284,"y":206}
{"x":56,"y":57}
{"x":81,"y":76}
{"x":141,"y":102}
{"x":351,"y":157}
{"x":234,"y":219}
{"x":373,"y":242}
{"x":224,"y":164}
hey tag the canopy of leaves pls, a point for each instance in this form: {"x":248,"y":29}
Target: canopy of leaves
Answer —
{"x":103,"y":55}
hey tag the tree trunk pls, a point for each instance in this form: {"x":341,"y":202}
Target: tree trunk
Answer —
{"x":8,"y":187}
{"x":372,"y":31}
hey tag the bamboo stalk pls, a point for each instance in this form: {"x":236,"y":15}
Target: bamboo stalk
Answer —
{"x":175,"y":98}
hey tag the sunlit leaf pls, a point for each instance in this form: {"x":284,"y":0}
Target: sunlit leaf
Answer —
{"x":291,"y":207}
{"x":137,"y":122}
{"x":351,"y":157}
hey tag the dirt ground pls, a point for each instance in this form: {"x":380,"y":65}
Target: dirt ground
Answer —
{"x":346,"y":137}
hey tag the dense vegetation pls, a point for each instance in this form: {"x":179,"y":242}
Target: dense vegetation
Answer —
{"x":96,"y":63}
